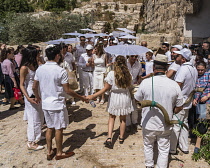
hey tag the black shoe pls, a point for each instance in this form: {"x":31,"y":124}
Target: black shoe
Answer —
{"x":185,"y":152}
{"x":176,"y":153}
{"x":108,"y":143}
{"x":121,"y":140}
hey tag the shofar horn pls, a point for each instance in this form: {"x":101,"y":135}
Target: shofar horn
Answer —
{"x":148,"y":103}
{"x":190,"y":97}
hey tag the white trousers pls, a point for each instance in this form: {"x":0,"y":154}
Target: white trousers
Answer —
{"x":35,"y":119}
{"x":163,"y":141}
{"x":80,"y":71}
{"x":88,"y":82}
{"x":132,"y":118}
{"x":180,"y":135}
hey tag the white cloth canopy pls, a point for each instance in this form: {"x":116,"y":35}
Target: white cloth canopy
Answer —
{"x":72,"y":34}
{"x":87,"y":29}
{"x":129,"y":37}
{"x":126,"y":49}
{"x":126,"y":30}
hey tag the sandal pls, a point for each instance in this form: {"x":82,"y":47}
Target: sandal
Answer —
{"x":121,"y":140}
{"x":108,"y":143}
{"x":97,"y":101}
{"x":102,"y":102}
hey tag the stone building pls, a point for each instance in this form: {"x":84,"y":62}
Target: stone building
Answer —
{"x":177,"y":21}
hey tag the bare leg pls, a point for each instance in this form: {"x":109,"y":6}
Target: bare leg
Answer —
{"x":49,"y":133}
{"x":198,"y":142}
{"x":111,"y":125}
{"x":21,"y":101}
{"x":59,"y":141}
{"x":122,"y":125}
{"x":102,"y":99}
{"x":12,"y":101}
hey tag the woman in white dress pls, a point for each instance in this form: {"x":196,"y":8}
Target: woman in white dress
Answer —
{"x":33,"y":110}
{"x":100,"y":61}
{"x":119,"y":103}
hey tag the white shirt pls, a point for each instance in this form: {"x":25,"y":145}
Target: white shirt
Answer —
{"x":135,"y":70}
{"x":168,"y":54}
{"x":149,"y":67}
{"x":192,"y":60}
{"x":80,"y":50}
{"x":51,"y":77}
{"x":174,"y":66}
{"x":167,"y":93}
{"x":83,"y":61}
{"x":187,"y":75}
{"x":69,"y":59}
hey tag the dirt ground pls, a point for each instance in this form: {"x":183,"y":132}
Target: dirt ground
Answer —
{"x":85,"y":136}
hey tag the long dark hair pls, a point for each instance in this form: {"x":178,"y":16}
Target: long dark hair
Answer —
{"x":29,"y":57}
{"x":122,"y":75}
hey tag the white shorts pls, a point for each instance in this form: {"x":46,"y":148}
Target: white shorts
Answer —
{"x":56,"y":118}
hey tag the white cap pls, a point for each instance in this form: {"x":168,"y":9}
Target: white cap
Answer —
{"x":150,"y":50}
{"x":115,"y":41}
{"x":111,"y":34}
{"x":129,"y":42}
{"x":50,"y":46}
{"x":179,"y":47}
{"x":186,"y":53}
{"x":89,"y":47}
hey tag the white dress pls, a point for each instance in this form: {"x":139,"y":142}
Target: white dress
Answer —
{"x":98,"y":73}
{"x":33,"y":112}
{"x":119,"y":102}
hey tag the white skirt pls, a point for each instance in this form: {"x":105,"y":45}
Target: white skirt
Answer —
{"x":120,"y":103}
{"x":98,"y":80}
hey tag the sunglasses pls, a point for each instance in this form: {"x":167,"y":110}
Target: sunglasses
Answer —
{"x":82,"y":40}
{"x":134,"y":56}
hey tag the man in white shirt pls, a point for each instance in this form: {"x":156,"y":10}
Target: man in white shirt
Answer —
{"x":52,"y":80}
{"x":167,"y":93}
{"x":173,"y":68}
{"x":135,"y":69}
{"x":186,"y":78}
{"x":87,"y":63}
{"x":148,"y":65}
{"x":80,"y":49}
{"x":165,"y":48}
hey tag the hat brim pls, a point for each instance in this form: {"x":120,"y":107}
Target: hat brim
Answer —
{"x":160,"y":63}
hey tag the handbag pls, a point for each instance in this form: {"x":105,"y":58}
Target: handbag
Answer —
{"x":202,"y":127}
{"x":72,"y":80}
{"x":17,"y":93}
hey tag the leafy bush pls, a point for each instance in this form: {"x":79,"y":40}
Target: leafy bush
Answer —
{"x":56,"y":5}
{"x":11,"y":6}
{"x":125,"y":8}
{"x":205,"y":148}
{"x":105,"y":7}
{"x":25,"y":28}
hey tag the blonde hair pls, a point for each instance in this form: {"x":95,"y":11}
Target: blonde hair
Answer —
{"x":122,"y":75}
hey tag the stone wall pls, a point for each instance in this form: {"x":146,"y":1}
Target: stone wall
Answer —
{"x":179,"y":18}
{"x":130,"y":15}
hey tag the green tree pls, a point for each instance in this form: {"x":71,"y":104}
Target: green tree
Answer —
{"x":56,"y":5}
{"x":107,"y":27}
{"x":25,"y":28}
{"x":17,"y":6}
